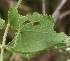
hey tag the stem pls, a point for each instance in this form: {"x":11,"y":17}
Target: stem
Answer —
{"x":4,"y":40}
{"x":0,"y":45}
{"x":64,"y":14}
{"x":18,"y":4}
{"x":56,"y":13}
{"x":43,"y":7}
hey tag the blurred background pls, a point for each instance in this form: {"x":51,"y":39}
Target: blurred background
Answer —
{"x":60,"y":11}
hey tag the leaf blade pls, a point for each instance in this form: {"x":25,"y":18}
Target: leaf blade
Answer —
{"x":33,"y":39}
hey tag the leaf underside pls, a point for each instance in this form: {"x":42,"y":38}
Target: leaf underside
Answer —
{"x":34,"y":34}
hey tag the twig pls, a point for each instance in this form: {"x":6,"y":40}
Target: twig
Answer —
{"x":56,"y":13}
{"x":43,"y":7}
{"x":64,"y":14}
{"x":12,"y":57}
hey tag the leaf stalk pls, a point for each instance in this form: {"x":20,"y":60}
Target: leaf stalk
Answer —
{"x":4,"y":41}
{"x":18,"y":4}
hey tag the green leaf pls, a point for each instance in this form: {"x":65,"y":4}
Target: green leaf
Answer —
{"x":15,"y":19}
{"x":12,"y":15}
{"x":36,"y":36}
{"x":2,"y":23}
